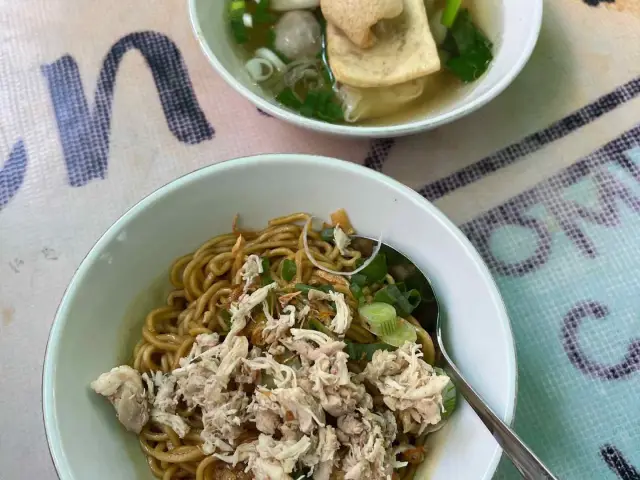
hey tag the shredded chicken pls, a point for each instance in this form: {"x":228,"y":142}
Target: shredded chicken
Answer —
{"x":242,"y":309}
{"x":342,"y":241}
{"x":312,"y":414}
{"x":277,"y":328}
{"x":124,"y":389}
{"x":409,"y":386}
{"x":342,"y":319}
{"x":204,"y":384}
{"x":160,"y":393}
{"x":369,"y":437}
{"x":251,"y":270}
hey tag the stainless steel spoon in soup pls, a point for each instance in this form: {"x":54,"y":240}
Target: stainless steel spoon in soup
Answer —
{"x":430,"y":317}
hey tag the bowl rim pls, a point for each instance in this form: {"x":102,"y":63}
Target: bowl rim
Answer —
{"x":403,"y":129}
{"x":54,"y":443}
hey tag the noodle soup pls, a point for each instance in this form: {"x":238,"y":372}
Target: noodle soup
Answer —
{"x":285,"y":352}
{"x":396,"y":61}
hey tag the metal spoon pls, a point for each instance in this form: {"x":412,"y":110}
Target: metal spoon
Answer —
{"x":402,"y":269}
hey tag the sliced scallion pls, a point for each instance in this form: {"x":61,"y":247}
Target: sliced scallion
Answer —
{"x":450,"y":12}
{"x":404,"y":332}
{"x":379,"y":318}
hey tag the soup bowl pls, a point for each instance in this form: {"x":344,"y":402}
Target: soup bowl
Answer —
{"x":125,"y":275}
{"x":512,"y":25}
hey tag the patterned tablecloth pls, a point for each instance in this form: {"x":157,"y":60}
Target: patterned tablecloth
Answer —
{"x":103,"y":102}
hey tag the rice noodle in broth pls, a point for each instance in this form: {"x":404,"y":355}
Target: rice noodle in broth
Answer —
{"x":262,"y":365}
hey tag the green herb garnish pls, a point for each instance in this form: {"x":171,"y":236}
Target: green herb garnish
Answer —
{"x":315,"y":324}
{"x":449,"y":395}
{"x":266,"y":271}
{"x":289,"y":99}
{"x":237,"y":9}
{"x":327,"y":235}
{"x":263,"y":13}
{"x":318,"y":104}
{"x":404,"y":301}
{"x":289,"y":269}
{"x":365,"y":351}
{"x":357,"y":293}
{"x":306,"y":288}
{"x":469,"y":48}
{"x":375,"y":271}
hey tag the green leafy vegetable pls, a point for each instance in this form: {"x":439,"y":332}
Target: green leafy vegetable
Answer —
{"x":237,"y":8}
{"x":450,"y":12}
{"x":266,"y":271}
{"x":375,"y":271}
{"x":288,"y":269}
{"x":364,"y":351}
{"x":380,"y":318}
{"x":306,"y":288}
{"x":469,"y":48}
{"x":449,"y":396}
{"x":358,"y":279}
{"x":396,"y":295}
{"x":320,"y":104}
{"x":263,"y":13}
{"x":327,"y":235}
{"x":289,"y":99}
{"x":404,"y":332}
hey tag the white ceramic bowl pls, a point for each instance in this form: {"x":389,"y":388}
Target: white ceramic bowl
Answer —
{"x":512,"y":25}
{"x":126,"y":274}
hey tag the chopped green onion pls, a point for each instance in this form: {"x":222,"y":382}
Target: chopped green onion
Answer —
{"x":306,"y":288}
{"x":289,"y":269}
{"x":327,"y":235}
{"x":357,"y":293}
{"x":393,"y":294}
{"x":358,"y":279}
{"x":449,"y":396}
{"x":317,"y":325}
{"x":375,"y":271}
{"x":469,"y":48}
{"x":380,"y":318}
{"x":364,"y":351}
{"x":450,"y":12}
{"x":402,"y":333}
{"x":266,"y":271}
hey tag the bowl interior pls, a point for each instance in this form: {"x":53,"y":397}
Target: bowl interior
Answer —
{"x":125,"y":275}
{"x":512,"y":25}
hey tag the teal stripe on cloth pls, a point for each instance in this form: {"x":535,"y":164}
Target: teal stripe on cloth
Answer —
{"x":569,"y":272}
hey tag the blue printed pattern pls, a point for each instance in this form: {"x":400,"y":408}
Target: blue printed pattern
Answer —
{"x":565,"y":259}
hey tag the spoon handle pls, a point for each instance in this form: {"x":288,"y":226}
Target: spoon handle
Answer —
{"x":525,"y":461}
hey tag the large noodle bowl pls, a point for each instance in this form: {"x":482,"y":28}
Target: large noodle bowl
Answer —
{"x":283,"y":353}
